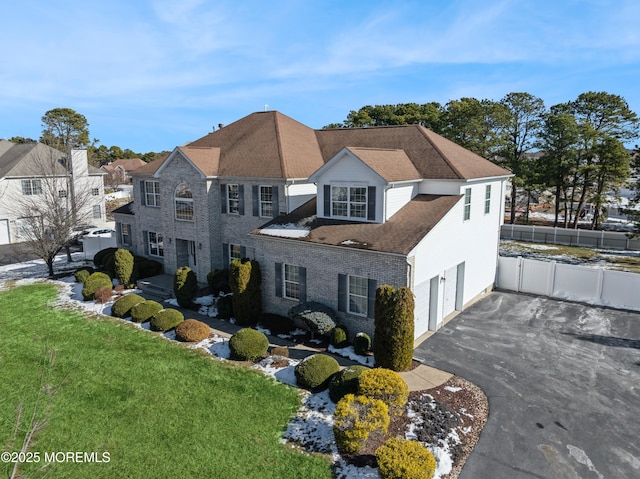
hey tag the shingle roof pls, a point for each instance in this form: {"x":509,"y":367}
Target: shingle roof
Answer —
{"x":206,"y":159}
{"x":126,"y":209}
{"x":391,"y":165}
{"x":127,"y":164}
{"x":400,"y":234}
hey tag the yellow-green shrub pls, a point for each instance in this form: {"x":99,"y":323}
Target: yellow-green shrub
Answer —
{"x":122,"y":307}
{"x":144,"y":311}
{"x":355,"y":418}
{"x":404,"y":459}
{"x":93,"y":282}
{"x":166,"y":319}
{"x":385,"y":385}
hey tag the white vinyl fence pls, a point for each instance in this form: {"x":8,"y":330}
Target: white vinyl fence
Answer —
{"x":571,"y":237}
{"x":604,"y":287}
{"x":90,"y":246}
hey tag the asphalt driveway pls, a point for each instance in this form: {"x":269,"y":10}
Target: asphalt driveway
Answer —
{"x":563,"y":382}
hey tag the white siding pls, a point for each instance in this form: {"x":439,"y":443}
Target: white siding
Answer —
{"x":440,"y":187}
{"x":298,"y":194}
{"x":397,"y":197}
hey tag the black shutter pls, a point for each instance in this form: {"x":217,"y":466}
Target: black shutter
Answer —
{"x":278,"y":272}
{"x":119,"y":233}
{"x":145,"y":240}
{"x":223,"y":198}
{"x":371,"y":297}
{"x":243,"y":252}
{"x":241,"y":199}
{"x":342,"y":292}
{"x":302,"y":276}
{"x":327,"y":200}
{"x":274,"y":200}
{"x":143,"y":199}
{"x":225,"y":255}
{"x":371,"y":203}
{"x":255,"y":197}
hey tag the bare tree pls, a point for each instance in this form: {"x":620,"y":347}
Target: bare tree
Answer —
{"x":49,"y":203}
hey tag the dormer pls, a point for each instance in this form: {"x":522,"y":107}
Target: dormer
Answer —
{"x":358,"y":184}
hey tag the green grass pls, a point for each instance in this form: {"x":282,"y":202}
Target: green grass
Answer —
{"x":160,"y":410}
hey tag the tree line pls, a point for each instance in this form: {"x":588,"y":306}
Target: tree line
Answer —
{"x":573,"y":149}
{"x":65,"y":129}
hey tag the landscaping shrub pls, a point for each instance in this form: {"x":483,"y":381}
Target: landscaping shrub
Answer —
{"x":218,"y":281}
{"x":245,"y":280}
{"x":345,"y":382}
{"x":119,"y":289}
{"x":104,"y":294}
{"x":280,"y":351}
{"x":185,"y":286}
{"x":145,"y":310}
{"x":122,"y":307}
{"x":224,"y":305}
{"x":192,"y":331}
{"x":82,"y":275}
{"x":386,"y":385}
{"x":98,"y":258}
{"x":124,"y":267}
{"x":315,"y":371}
{"x":339,"y":337}
{"x":394,"y":328}
{"x":405,"y":459}
{"x":362,"y":344}
{"x":166,"y":319}
{"x":355,"y":418}
{"x":319,"y":318}
{"x":93,"y":282}
{"x":146,"y":268}
{"x":276,"y":324}
{"x":248,"y":345}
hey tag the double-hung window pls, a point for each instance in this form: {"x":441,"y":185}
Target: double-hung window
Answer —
{"x":487,"y":199}
{"x":349,"y":201}
{"x":125,"y":233}
{"x":235,"y":252}
{"x":156,"y":244}
{"x":184,"y":203}
{"x":97,"y":212}
{"x":31,"y":187}
{"x":358,"y":295}
{"x":467,"y":204}
{"x":266,"y":201}
{"x":233,"y":199}
{"x":152,"y":193}
{"x":291,"y":278}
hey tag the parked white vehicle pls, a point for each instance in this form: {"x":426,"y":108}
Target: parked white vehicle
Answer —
{"x":97,"y":233}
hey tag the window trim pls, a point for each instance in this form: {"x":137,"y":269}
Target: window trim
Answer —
{"x":290,"y":282}
{"x":487,"y":199}
{"x":364,"y":297}
{"x":96,"y":210}
{"x":232,"y":247}
{"x":348,"y":202}
{"x":262,"y":203}
{"x":125,"y":232}
{"x":236,"y":209}
{"x":34,"y":187}
{"x":158,"y":244}
{"x":467,"y":204}
{"x":184,"y":200}
{"x":155,"y":194}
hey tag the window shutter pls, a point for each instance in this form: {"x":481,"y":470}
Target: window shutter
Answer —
{"x":119,"y":233}
{"x":241,"y":199}
{"x":302,"y":276}
{"x":255,"y":197}
{"x":371,"y":203}
{"x":243,"y":252}
{"x":371,"y":297}
{"x":225,"y":255}
{"x":278,"y":272}
{"x":223,"y":198}
{"x":327,"y":200}
{"x":342,"y":292}
{"x":143,"y":199}
{"x":274,"y":198}
{"x":145,"y":239}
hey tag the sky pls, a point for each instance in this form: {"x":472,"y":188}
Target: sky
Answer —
{"x":150,"y":75}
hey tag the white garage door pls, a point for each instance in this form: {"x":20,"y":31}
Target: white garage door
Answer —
{"x":422,"y":308}
{"x":4,"y":232}
{"x":449,"y":291}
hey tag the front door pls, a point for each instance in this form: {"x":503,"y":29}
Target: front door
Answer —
{"x":186,"y":253}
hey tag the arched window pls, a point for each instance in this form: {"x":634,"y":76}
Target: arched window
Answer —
{"x":184,"y":203}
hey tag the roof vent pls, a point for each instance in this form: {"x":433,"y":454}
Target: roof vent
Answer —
{"x":220,"y":126}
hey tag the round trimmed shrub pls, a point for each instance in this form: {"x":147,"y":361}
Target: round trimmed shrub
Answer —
{"x":315,"y":371}
{"x":145,"y":310}
{"x":405,"y":459}
{"x":345,"y":382}
{"x":248,"y":345}
{"x":99,"y":257}
{"x":355,"y":418}
{"x":82,"y":275}
{"x":386,"y":385}
{"x":192,"y":331}
{"x":93,"y":282}
{"x":362,"y":344}
{"x":122,"y":307}
{"x":339,"y":337}
{"x":166,"y":319}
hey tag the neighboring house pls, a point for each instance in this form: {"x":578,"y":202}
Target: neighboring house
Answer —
{"x":33,"y":169}
{"x":119,"y":172}
{"x":329,"y":214}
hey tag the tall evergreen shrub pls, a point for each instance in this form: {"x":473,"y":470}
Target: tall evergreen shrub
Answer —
{"x":185,"y":286}
{"x":245,"y":280}
{"x":394,"y":328}
{"x":124,"y":267}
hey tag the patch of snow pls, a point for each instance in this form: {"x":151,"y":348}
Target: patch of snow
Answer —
{"x":289,"y":230}
{"x":349,"y":352}
{"x":264,"y":330}
{"x":452,"y":389}
{"x":172,"y":302}
{"x":208,"y":300}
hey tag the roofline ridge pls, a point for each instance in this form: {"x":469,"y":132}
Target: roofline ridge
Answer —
{"x":424,"y":132}
{"x":276,"y":124}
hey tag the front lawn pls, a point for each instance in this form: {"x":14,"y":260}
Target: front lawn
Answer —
{"x":158,"y":409}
